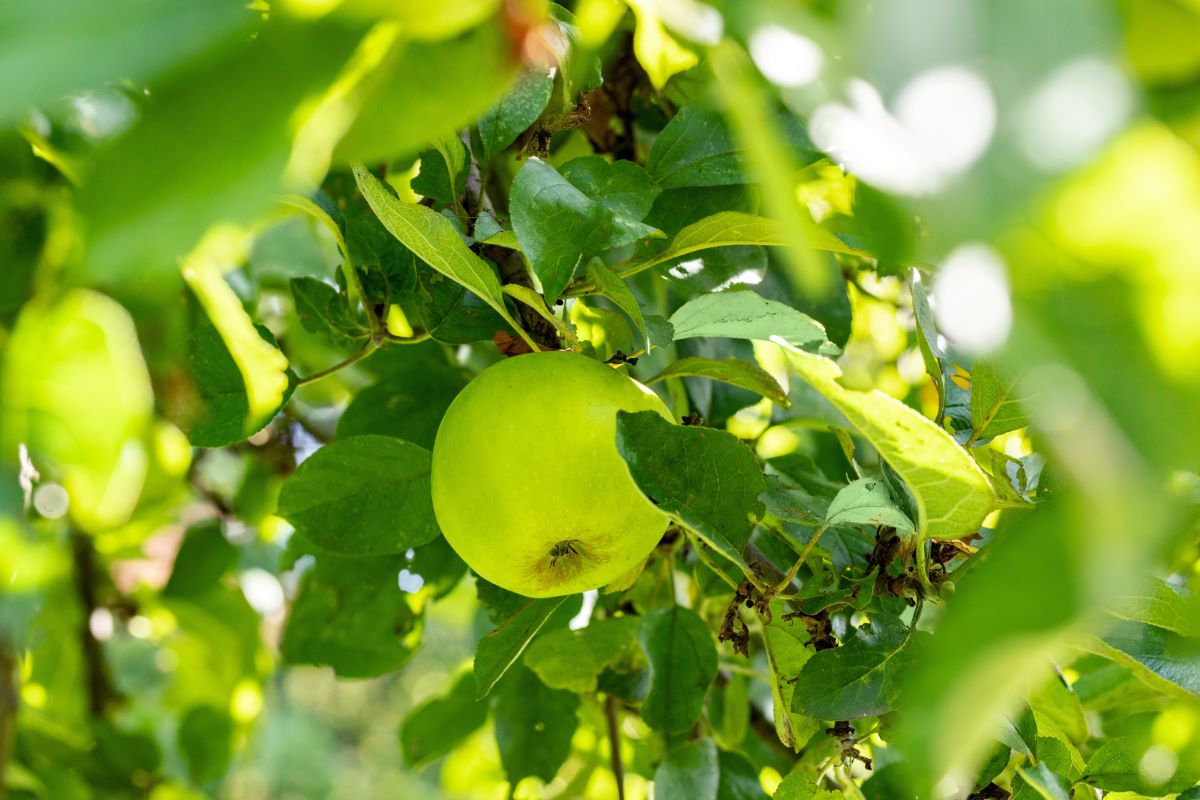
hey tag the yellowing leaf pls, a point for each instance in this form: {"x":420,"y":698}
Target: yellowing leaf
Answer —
{"x":656,"y":50}
{"x":952,"y":493}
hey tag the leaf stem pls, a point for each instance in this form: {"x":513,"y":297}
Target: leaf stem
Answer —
{"x":369,"y":348}
{"x":707,"y":560}
{"x":791,"y":573}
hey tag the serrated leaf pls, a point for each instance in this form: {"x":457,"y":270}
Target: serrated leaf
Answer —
{"x":433,"y":239}
{"x":438,"y":725}
{"x":857,"y":679}
{"x":351,"y":615}
{"x":951,"y":491}
{"x":995,"y":403}
{"x":1162,"y":658}
{"x":659,"y":331}
{"x":683,"y":663}
{"x":573,"y":660}
{"x":498,"y":650}
{"x":362,"y":496}
{"x":534,"y":725}
{"x":866,"y":501}
{"x":559,"y":227}
{"x":501,"y":124}
{"x":1162,"y":605}
{"x":742,"y":314}
{"x":705,"y":479}
{"x":727,"y":370}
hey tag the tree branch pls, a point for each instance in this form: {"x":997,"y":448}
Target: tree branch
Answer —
{"x":614,"y":743}
{"x":8,"y":709}
{"x":99,"y":687}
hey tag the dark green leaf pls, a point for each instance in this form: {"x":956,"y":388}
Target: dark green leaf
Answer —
{"x":704,"y":478}
{"x":437,"y":726}
{"x":683,"y":664}
{"x":620,"y":187}
{"x":351,"y":614}
{"x":441,"y":180}
{"x":573,"y":660}
{"x":407,"y":405}
{"x":689,"y":770}
{"x":323,"y":309}
{"x":857,"y":679}
{"x":203,"y":558}
{"x":452,"y":314}
{"x":1167,"y":661}
{"x":366,"y":495}
{"x":500,"y":649}
{"x":739,"y":778}
{"x":534,"y":725}
{"x":205,"y":742}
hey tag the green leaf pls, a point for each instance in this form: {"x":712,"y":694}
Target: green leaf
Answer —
{"x":500,"y":649}
{"x":1162,"y":605}
{"x":77,"y":394}
{"x":534,"y":725}
{"x":866,"y":501}
{"x":683,"y":664}
{"x":1045,"y":782}
{"x":689,"y":770}
{"x":995,"y":405}
{"x":189,"y":164}
{"x":501,"y":124}
{"x":400,"y":115}
{"x":952,"y":493}
{"x":221,"y":414}
{"x":610,"y":285}
{"x":559,"y":227}
{"x":800,"y":785}
{"x":351,"y":615}
{"x":927,"y":334}
{"x":727,"y":370}
{"x":203,"y":558}
{"x":739,"y":778}
{"x":731,"y":228}
{"x":323,"y":309}
{"x":437,"y":726}
{"x":1114,"y":767}
{"x":367,"y":495}
{"x":443,"y":174}
{"x":205,"y":742}
{"x":657,"y":51}
{"x":573,"y":660}
{"x":408,"y":404}
{"x":705,"y":479}
{"x":788,"y":651}
{"x":696,"y":149}
{"x":1162,"y":658}
{"x":452,"y":314}
{"x":433,"y":239}
{"x":745,"y":315}
{"x":620,"y":187}
{"x":857,"y":679}
{"x":59,"y":47}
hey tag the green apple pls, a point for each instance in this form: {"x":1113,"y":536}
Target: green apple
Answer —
{"x":528,"y":486}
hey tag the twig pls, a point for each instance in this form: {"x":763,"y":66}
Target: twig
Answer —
{"x":100,"y":690}
{"x":702,"y":554}
{"x":8,"y":709}
{"x":367,"y":350}
{"x":614,"y":742}
{"x":791,"y":574}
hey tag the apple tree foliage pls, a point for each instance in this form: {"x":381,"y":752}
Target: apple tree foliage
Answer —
{"x":919,"y":280}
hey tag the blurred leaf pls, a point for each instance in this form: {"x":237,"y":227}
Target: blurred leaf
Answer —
{"x":351,"y":615}
{"x":77,"y":393}
{"x":705,"y":479}
{"x":500,"y":649}
{"x":952,"y":493}
{"x":1161,"y":605}
{"x":1164,"y":659}
{"x":362,"y":496}
{"x":220,"y":415}
{"x":205,"y":742}
{"x":866,"y":502}
{"x":534,"y":725}
{"x":203,"y":558}
{"x":437,"y":726}
{"x":560,"y":227}
{"x":858,"y":679}
{"x":610,"y":285}
{"x":683,"y":664}
{"x":434,"y":240}
{"x":400,"y":114}
{"x":501,"y":124}
{"x":1115,"y":767}
{"x":573,"y":660}
{"x":657,"y":51}
{"x":727,"y":370}
{"x":58,"y":47}
{"x":211,"y":146}
{"x":689,"y":770}
{"x":745,"y":315}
